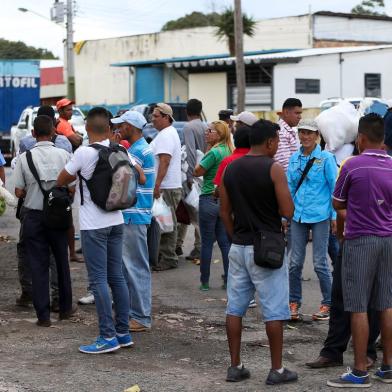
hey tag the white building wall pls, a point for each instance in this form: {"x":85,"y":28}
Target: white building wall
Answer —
{"x":97,"y":82}
{"x":347,"y":81}
{"x":325,"y":68}
{"x":53,"y":90}
{"x":355,"y":65}
{"x":211,"y":89}
{"x":352,"y":29}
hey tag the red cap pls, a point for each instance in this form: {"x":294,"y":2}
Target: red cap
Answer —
{"x":63,"y":102}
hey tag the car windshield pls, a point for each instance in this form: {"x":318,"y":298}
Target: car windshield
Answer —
{"x":77,"y":115}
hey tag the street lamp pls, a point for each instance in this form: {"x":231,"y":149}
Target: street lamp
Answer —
{"x":58,"y":17}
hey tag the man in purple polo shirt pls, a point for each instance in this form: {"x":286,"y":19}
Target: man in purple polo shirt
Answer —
{"x":364,"y":189}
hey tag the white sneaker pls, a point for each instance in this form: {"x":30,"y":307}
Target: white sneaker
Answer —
{"x":252,"y":304}
{"x":87,"y":300}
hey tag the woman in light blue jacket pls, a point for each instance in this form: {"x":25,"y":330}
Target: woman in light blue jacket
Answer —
{"x":311,"y":176}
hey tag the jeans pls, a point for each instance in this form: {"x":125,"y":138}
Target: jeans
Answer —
{"x":137,"y":273}
{"x":333,"y":248}
{"x":167,"y":246}
{"x":339,"y":331}
{"x":211,"y":228}
{"x":299,"y":239}
{"x":102,"y":251}
{"x":38,"y":240}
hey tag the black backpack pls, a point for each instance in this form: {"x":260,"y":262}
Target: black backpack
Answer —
{"x":114,"y":181}
{"x":57,"y":209}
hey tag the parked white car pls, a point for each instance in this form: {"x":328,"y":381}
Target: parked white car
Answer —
{"x":356,"y":101}
{"x":25,"y":125}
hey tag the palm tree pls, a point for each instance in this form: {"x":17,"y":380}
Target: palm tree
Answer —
{"x":225,"y":27}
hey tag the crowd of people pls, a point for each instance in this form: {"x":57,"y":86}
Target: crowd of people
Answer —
{"x":265,"y":190}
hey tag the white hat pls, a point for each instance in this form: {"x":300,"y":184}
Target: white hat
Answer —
{"x":247,"y":118}
{"x":131,"y":117}
{"x":309,"y":125}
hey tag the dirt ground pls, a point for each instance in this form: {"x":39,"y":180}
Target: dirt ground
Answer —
{"x":186,"y":349}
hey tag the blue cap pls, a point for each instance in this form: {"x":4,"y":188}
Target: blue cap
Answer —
{"x":131,"y":117}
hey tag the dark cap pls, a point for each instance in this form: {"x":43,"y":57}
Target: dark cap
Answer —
{"x":225,"y":114}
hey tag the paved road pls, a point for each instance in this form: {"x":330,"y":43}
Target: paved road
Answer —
{"x":185,"y":351}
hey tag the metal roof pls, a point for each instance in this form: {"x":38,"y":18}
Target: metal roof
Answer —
{"x":276,"y":57}
{"x":192,"y":58}
{"x":264,"y":56}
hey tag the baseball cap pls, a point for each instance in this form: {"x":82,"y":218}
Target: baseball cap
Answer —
{"x":247,"y":118}
{"x":225,"y":114}
{"x":164,"y":108}
{"x":63,"y":102}
{"x":309,"y":125}
{"x":131,"y":117}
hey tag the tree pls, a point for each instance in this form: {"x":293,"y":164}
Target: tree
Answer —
{"x":19,"y":50}
{"x":225,"y":27}
{"x":370,"y":7}
{"x":195,"y":19}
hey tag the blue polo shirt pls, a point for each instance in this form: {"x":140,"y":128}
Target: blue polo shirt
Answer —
{"x":2,"y":160}
{"x":313,"y":200}
{"x":140,"y":213}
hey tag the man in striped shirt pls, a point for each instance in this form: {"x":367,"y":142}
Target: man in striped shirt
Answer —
{"x":136,"y":221}
{"x":288,"y":138}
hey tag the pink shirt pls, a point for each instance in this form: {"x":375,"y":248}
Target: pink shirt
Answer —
{"x":288,"y":144}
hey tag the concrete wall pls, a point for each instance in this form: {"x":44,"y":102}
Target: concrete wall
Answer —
{"x":97,"y":82}
{"x":53,"y":90}
{"x":327,"y":68}
{"x":211,"y":89}
{"x":354,"y":29}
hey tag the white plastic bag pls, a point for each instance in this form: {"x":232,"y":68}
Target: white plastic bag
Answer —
{"x":192,"y":199}
{"x":338,"y":125}
{"x":163,"y":215}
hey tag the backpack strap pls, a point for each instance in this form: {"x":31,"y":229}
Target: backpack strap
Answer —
{"x":34,"y":172}
{"x":81,"y":178}
{"x":308,"y":166}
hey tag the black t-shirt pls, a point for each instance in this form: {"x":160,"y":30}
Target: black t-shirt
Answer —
{"x":252,"y":195}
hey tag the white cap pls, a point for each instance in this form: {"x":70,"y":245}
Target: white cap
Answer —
{"x":247,"y":118}
{"x":131,"y":117}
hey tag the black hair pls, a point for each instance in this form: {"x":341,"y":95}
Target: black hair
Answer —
{"x":194,"y":107}
{"x":47,"y":110}
{"x":241,"y":137}
{"x":290,"y":103}
{"x":261,"y":131}
{"x":98,"y":119}
{"x":43,"y":125}
{"x":110,"y":116}
{"x":225,"y":114}
{"x":372,"y":125}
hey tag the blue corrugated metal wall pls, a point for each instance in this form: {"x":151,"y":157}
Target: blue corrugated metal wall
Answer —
{"x":19,"y":87}
{"x":149,"y":86}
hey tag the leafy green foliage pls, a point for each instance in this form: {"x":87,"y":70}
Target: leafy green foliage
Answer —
{"x":225,"y":27}
{"x":370,"y":7}
{"x":195,"y":19}
{"x":19,"y":50}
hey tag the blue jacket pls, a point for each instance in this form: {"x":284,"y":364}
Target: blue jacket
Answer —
{"x":313,"y":200}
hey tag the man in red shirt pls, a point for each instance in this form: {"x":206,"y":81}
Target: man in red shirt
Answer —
{"x":242,"y":147}
{"x":63,"y":126}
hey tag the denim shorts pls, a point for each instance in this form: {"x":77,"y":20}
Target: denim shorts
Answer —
{"x":245,"y":278}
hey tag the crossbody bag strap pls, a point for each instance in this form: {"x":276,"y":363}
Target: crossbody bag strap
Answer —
{"x":308,"y":166}
{"x":34,"y":172}
{"x":81,"y":178}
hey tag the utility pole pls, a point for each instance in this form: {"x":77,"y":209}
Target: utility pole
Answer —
{"x":70,"y":53}
{"x":239,"y":55}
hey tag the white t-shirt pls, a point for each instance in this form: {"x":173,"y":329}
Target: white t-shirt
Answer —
{"x":168,"y":142}
{"x":91,"y":217}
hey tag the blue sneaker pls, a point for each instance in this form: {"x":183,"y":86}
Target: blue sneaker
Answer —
{"x":350,"y":380}
{"x":125,"y":341}
{"x":383,"y":375}
{"x":100,"y":346}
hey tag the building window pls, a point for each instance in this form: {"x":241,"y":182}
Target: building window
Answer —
{"x":307,"y":86}
{"x":373,"y":85}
